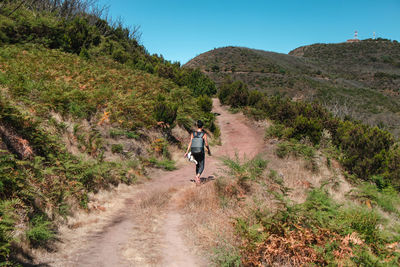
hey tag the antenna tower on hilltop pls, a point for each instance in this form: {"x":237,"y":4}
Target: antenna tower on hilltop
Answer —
{"x":374,"y":36}
{"x":355,"y":40}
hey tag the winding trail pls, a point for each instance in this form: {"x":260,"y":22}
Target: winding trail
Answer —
{"x":146,"y":230}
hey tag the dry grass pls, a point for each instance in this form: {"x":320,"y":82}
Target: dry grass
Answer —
{"x":156,"y":199}
{"x":208,"y":224}
{"x":297,"y":176}
{"x":210,"y":219}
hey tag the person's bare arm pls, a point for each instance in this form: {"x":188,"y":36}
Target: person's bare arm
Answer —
{"x":190,"y":145}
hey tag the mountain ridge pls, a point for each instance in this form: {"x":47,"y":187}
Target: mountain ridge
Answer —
{"x":361,"y":79}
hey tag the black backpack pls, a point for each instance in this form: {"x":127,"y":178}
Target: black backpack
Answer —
{"x":197,"y":143}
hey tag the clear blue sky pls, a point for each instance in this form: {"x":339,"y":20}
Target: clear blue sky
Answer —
{"x":182,"y":29}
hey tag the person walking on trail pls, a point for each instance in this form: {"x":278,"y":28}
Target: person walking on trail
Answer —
{"x":198,"y":139}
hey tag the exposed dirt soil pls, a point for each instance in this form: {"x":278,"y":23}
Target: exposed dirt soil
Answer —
{"x":143,"y":225}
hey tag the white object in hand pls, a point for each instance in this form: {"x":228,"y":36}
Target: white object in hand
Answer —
{"x":191,"y":158}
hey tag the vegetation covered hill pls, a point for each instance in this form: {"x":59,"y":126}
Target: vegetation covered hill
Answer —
{"x":360,"y":80}
{"x":83,"y":106}
{"x":318,"y":230}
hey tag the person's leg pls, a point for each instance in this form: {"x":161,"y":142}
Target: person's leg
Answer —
{"x":200,"y":167}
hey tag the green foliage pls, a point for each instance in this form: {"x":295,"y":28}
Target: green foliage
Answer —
{"x":205,"y":103}
{"x":278,"y":130}
{"x":234,"y":94}
{"x":40,"y":231}
{"x":166,"y":164}
{"x":88,"y":35}
{"x":165,"y":112}
{"x":116,"y":133}
{"x":8,"y":219}
{"x":199,"y":83}
{"x":364,"y":221}
{"x":365,"y":148}
{"x":307,"y":127}
{"x":247,"y":170}
{"x":319,"y":226}
{"x":366,"y":151}
{"x":11,"y":180}
{"x":331,"y":74}
{"x":254,"y":97}
{"x":79,"y":68}
{"x":117,"y":148}
{"x":298,"y":150}
{"x":366,"y":258}
{"x":386,"y":198}
{"x":392,"y":168}
{"x":239,"y":174}
{"x":320,"y":209}
{"x":227,"y":256}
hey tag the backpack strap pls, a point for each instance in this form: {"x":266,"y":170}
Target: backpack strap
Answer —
{"x":198,"y":134}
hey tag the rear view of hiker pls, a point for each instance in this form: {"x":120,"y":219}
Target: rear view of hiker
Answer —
{"x":196,"y":145}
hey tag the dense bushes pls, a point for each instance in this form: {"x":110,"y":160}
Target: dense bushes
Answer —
{"x":319,"y":231}
{"x":234,"y":94}
{"x":8,"y":218}
{"x":205,"y":103}
{"x":165,"y":112}
{"x":197,"y":81}
{"x":90,"y":36}
{"x":366,"y":150}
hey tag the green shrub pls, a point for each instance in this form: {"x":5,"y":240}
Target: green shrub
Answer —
{"x":115,"y":133}
{"x":205,"y":103}
{"x":8,"y":219}
{"x":166,"y":164}
{"x":305,"y":127}
{"x":227,"y":256}
{"x":197,"y":81}
{"x":165,"y":112}
{"x":298,"y":150}
{"x":320,"y":209}
{"x":276,"y":130}
{"x":366,"y":151}
{"x":11,"y":180}
{"x":185,"y":121}
{"x":224,"y":92}
{"x":242,"y":171}
{"x":392,"y":168}
{"x":40,"y":231}
{"x":117,"y":148}
{"x":254,"y":113}
{"x":254,"y":97}
{"x":239,"y":95}
{"x":364,"y":221}
{"x":365,"y":148}
{"x":387,"y":198}
{"x":320,"y":226}
{"x":366,"y":258}
{"x":234,"y":94}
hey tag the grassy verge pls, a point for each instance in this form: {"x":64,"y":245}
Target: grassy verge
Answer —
{"x":319,"y":231}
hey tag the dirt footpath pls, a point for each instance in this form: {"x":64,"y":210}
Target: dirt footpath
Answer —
{"x":142,"y":224}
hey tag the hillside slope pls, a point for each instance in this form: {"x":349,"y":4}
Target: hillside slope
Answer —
{"x":361,"y":80}
{"x":83,"y":107}
{"x":71,"y":126}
